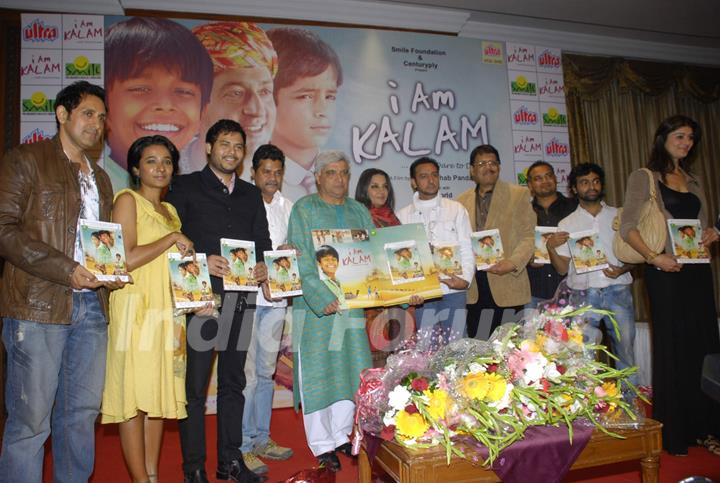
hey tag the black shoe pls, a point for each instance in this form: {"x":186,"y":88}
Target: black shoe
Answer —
{"x":346,"y":449}
{"x":330,"y":460}
{"x":197,"y":476}
{"x":237,"y":471}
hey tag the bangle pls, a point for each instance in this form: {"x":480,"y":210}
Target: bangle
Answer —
{"x":651,"y":256}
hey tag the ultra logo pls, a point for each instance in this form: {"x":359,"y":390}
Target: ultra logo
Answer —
{"x":525,"y":117}
{"x":548,"y":60}
{"x":522,"y":86}
{"x":38,"y":102}
{"x":556,"y":149}
{"x":37,"y":31}
{"x":34,"y":136}
{"x":81,"y":67}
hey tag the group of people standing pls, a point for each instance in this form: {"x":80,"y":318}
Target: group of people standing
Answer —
{"x":66,"y":364}
{"x":682,"y":303}
{"x":74,"y":352}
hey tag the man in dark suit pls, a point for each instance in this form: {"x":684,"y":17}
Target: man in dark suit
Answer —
{"x":212,"y":204}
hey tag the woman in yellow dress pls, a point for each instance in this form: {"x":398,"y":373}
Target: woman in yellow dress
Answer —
{"x":145,"y":374}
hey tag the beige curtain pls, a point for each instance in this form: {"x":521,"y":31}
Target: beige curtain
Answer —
{"x":614,"y":106}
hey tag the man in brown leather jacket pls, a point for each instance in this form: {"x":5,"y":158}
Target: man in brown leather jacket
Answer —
{"x":53,"y":309}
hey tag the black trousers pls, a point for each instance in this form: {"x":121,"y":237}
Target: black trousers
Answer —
{"x":484,"y":307}
{"x":205,"y":338}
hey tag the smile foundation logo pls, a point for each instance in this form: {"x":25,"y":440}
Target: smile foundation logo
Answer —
{"x":554,"y":118}
{"x":82,"y":67}
{"x":38,"y":102}
{"x":522,"y":86}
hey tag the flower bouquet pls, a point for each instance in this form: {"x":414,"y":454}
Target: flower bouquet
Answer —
{"x":475,"y":393}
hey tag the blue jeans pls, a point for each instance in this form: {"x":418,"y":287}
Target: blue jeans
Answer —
{"x":259,"y":369}
{"x":446,"y":316}
{"x":618,"y":299}
{"x":55,"y":376}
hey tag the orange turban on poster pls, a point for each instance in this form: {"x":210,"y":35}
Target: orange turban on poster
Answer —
{"x":233,"y":45}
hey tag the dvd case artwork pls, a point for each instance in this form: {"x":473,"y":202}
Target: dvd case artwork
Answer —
{"x":190,"y":281}
{"x":588,"y":252}
{"x":686,"y":236}
{"x":283,"y":273}
{"x":487,"y":248}
{"x":241,"y":256}
{"x":103,"y":250}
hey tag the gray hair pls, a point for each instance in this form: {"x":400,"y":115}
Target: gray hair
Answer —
{"x":327,"y":157}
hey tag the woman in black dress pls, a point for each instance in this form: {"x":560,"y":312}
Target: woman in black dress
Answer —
{"x":682,"y":302}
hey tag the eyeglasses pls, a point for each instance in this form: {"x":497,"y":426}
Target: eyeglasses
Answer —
{"x":489,"y":162}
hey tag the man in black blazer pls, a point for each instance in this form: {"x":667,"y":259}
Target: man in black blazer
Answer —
{"x":215,"y":203}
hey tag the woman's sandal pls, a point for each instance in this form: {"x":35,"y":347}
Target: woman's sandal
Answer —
{"x":711,"y":443}
{"x":152,"y":478}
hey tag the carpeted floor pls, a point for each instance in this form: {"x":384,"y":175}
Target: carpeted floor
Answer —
{"x":287,"y":430}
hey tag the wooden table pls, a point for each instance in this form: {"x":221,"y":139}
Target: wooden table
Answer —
{"x":430,"y":465}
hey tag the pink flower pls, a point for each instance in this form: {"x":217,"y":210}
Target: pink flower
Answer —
{"x":600,"y":392}
{"x":443,"y":382}
{"x":492,"y":367}
{"x":517,"y":362}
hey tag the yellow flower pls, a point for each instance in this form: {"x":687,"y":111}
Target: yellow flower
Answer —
{"x":529,"y":345}
{"x":610,"y":389}
{"x":438,"y":403}
{"x":410,"y":425}
{"x":484,"y":385}
{"x":540,"y":339}
{"x":498,"y":385}
{"x":575,"y":336}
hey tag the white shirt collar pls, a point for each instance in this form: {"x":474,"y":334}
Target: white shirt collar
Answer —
{"x":294,"y":173}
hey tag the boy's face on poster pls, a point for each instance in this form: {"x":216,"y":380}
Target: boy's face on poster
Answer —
{"x":306,"y":111}
{"x":194,"y":269}
{"x":244,"y":95}
{"x":328,"y":264}
{"x":155,"y":102}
